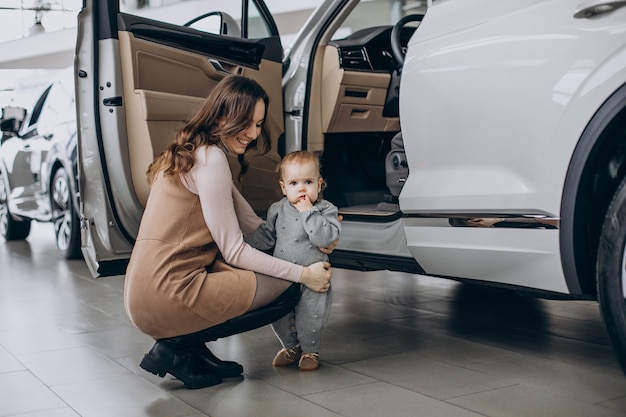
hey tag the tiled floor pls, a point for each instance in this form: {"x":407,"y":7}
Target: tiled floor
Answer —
{"x":396,"y":345}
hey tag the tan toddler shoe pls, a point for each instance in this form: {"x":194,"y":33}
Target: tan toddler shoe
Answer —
{"x":309,"y":362}
{"x":287,"y":357}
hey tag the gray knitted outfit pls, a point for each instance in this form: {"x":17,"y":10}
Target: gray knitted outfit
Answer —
{"x":297,"y":237}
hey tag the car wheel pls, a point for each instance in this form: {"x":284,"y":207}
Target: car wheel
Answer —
{"x":10,"y":228}
{"x":611,"y":273}
{"x":64,"y":218}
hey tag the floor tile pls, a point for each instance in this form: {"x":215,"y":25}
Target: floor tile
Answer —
{"x":59,"y":412}
{"x":396,"y":344}
{"x":576,"y":382}
{"x":525,"y":401}
{"x":382,"y":399}
{"x":66,"y":366}
{"x":8,"y":363}
{"x":21,"y":393}
{"x":435,"y":379}
{"x":250,"y":397}
{"x":292,"y":380}
{"x":37,"y":339}
{"x":122,"y":396}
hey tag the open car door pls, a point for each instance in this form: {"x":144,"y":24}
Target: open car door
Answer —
{"x":138,"y":80}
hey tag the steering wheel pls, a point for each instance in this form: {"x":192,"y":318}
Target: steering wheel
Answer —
{"x":396,"y":48}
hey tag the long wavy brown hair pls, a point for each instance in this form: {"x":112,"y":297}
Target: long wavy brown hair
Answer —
{"x":231,"y":102}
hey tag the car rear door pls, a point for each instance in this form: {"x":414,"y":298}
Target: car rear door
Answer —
{"x":25,"y":173}
{"x":138,"y":79}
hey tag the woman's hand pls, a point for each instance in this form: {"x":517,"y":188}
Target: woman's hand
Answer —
{"x":316,"y":276}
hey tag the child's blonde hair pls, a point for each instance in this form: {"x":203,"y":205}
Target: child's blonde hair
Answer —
{"x":301,"y":157}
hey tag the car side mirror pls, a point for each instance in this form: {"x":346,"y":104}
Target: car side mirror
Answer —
{"x":218,"y":23}
{"x":12,"y":118}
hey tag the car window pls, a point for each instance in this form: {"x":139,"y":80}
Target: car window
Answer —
{"x":289,"y":18}
{"x":59,"y":107}
{"x":206,"y":16}
{"x":179,"y":12}
{"x":367,"y":14}
{"x":34,"y":116}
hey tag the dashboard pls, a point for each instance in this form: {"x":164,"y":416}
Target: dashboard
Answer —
{"x":370,"y":49}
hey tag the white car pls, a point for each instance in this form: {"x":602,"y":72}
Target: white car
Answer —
{"x":512,"y":117}
{"x":38,"y":164}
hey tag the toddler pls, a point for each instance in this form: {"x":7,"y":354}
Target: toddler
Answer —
{"x":297,"y":226}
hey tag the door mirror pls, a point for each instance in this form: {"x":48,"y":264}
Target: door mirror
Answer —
{"x":12,"y":118}
{"x":218,"y":23}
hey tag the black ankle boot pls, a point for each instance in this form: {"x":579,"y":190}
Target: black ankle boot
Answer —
{"x":203,"y":357}
{"x":182,"y":361}
{"x":226,"y":369}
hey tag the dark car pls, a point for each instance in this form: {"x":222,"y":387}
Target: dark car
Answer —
{"x":38,"y":165}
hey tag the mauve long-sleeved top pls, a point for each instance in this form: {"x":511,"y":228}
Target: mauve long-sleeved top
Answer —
{"x":190,"y":268}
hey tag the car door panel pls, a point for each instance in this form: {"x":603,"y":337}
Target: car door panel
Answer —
{"x":38,"y":149}
{"x":25,"y":175}
{"x":168,"y":77}
{"x":16,"y":164}
{"x":162,"y":87}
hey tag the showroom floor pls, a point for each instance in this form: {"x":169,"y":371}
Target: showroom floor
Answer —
{"x":396,"y":345}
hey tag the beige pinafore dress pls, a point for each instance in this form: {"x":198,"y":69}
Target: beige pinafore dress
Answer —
{"x":176,"y":281}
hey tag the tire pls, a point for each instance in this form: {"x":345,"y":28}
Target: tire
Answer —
{"x":611,"y":273}
{"x":10,"y":228}
{"x":64,"y":218}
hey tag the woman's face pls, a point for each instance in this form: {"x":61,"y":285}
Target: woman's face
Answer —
{"x":239,"y":143}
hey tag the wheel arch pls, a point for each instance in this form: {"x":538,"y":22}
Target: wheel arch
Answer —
{"x":596,"y":169}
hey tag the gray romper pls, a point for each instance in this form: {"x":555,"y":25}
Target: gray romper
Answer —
{"x":297,"y":237}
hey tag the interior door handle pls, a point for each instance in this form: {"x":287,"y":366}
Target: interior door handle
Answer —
{"x":599,"y":9}
{"x":219,"y":67}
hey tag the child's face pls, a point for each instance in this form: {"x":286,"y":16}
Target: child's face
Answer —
{"x":299,"y":181}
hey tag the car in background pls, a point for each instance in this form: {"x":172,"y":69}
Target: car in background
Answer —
{"x":481,"y":141}
{"x":38,"y":167}
{"x":11,"y":119}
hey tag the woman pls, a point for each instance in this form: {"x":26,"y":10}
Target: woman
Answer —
{"x":191,"y":278}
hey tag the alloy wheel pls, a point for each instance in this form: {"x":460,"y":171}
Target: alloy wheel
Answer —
{"x":62,"y":211}
{"x":4,"y":210}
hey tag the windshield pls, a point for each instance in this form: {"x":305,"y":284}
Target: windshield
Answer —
{"x":377,"y":13}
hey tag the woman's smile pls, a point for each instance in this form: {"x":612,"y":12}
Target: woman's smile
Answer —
{"x":239,"y":143}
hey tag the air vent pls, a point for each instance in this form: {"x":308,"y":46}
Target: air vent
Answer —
{"x":353,"y":58}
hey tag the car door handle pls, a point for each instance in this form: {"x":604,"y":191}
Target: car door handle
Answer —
{"x":599,"y":9}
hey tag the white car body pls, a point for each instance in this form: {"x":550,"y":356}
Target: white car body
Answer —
{"x":494,"y":121}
